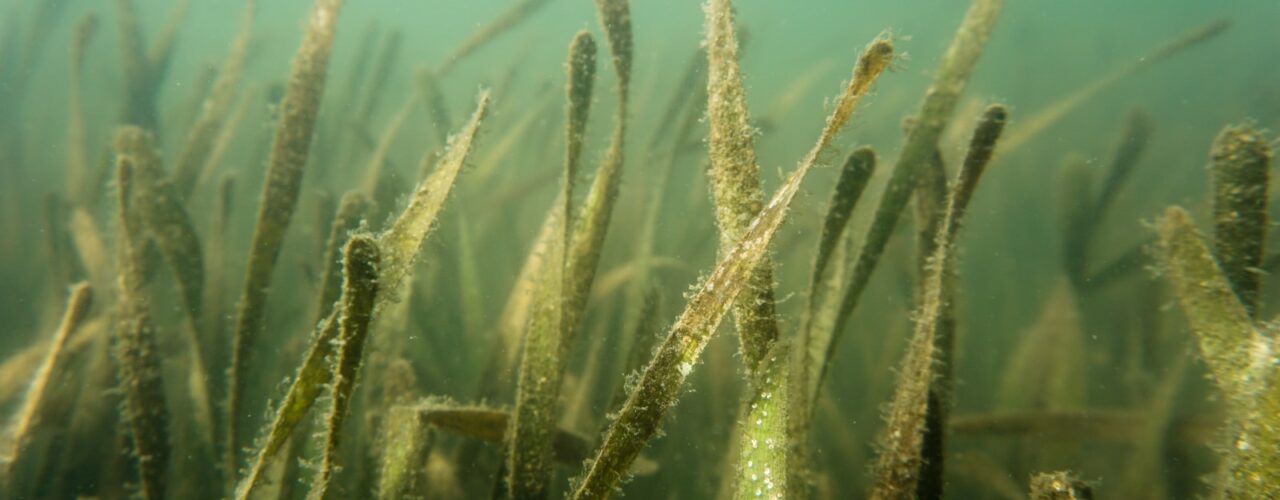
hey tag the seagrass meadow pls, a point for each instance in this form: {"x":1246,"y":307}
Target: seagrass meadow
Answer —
{"x":530,"y":249}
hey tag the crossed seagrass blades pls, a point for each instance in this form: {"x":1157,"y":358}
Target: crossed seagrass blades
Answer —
{"x":489,"y":319}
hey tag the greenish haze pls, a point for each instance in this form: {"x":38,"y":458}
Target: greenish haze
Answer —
{"x":491,"y":249}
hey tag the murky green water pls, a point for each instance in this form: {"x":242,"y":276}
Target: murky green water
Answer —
{"x":138,"y":147}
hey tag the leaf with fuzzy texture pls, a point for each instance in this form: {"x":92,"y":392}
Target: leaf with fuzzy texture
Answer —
{"x":1244,"y":362}
{"x":399,"y":246}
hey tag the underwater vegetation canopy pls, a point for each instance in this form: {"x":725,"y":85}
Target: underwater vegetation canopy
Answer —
{"x":544,"y":249}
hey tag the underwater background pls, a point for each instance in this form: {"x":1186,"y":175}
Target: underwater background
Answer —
{"x":220,"y":192}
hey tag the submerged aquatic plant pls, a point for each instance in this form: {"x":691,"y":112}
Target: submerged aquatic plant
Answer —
{"x":550,"y":331}
{"x":673,"y":361}
{"x":1241,"y":359}
{"x":1059,"y":486}
{"x":299,"y":110}
{"x":913,"y":452}
{"x":1241,"y":171}
{"x":55,"y":362}
{"x":359,"y":290}
{"x":539,"y":306}
{"x":398,"y":246}
{"x":1219,"y":295}
{"x":940,"y":101}
{"x":145,"y":407}
{"x":735,"y":178}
